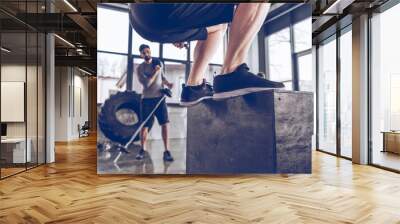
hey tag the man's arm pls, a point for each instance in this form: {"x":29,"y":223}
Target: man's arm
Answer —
{"x":142,"y":78}
{"x":153,"y":76}
{"x":165,"y":82}
{"x":146,"y":81}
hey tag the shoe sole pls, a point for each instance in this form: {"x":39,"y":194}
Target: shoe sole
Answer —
{"x":192,"y":103}
{"x":239,"y":92}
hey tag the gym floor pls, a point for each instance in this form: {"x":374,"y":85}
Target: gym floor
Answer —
{"x":152,"y":163}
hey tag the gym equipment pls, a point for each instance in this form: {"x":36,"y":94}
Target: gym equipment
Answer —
{"x":109,"y":122}
{"x":124,"y":131}
{"x":166,"y":91}
{"x":263,"y":132}
{"x":83,"y":131}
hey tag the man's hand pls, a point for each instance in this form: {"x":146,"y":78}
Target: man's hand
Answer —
{"x":180,"y":45}
{"x":156,"y":69}
{"x":169,"y":85}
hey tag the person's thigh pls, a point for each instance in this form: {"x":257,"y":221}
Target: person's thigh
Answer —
{"x":178,"y":22}
{"x":195,"y":15}
{"x":162,"y":113}
{"x":147,"y":108}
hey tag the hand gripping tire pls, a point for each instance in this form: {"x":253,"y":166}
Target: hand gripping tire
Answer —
{"x":109,"y":124}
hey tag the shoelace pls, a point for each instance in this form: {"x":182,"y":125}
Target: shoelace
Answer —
{"x":244,"y":67}
{"x":208,"y":84}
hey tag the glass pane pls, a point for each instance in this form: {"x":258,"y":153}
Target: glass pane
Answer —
{"x":305,"y":73}
{"x":175,"y":73}
{"x":112,"y":30}
{"x":302,"y":35}
{"x":110,"y":69}
{"x":138,"y":40}
{"x":172,"y":52}
{"x":31,"y":98}
{"x":346,"y":94}
{"x":41,"y":99}
{"x":327,"y":97}
{"x":385,"y":91}
{"x":279,"y":60}
{"x":218,"y":58}
{"x":136,"y":84}
{"x":212,"y":71}
{"x":13,"y":86}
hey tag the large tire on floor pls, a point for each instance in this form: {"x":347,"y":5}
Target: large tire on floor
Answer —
{"x":109,"y":123}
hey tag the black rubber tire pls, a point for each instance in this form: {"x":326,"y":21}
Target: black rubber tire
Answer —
{"x":108,"y":122}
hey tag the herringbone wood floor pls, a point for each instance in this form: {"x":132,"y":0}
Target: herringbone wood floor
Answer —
{"x":70,"y":191}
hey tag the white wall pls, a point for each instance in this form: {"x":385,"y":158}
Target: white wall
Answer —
{"x":33,"y":126}
{"x":14,"y":73}
{"x":71,"y":87}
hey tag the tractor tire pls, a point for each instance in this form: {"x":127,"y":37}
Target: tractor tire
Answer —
{"x":109,"y":124}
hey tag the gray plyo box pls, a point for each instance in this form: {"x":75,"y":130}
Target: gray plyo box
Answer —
{"x":264,"y":132}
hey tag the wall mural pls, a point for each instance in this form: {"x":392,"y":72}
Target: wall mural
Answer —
{"x":177,"y":96}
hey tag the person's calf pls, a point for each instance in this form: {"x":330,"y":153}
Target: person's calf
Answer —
{"x":247,"y":21}
{"x":203,"y":53}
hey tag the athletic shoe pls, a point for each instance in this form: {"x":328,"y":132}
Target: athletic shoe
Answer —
{"x":192,"y":95}
{"x":241,"y":82}
{"x":167,"y":156}
{"x":140,"y":154}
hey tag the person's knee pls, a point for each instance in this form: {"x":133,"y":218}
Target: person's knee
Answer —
{"x":224,"y":27}
{"x":217,"y":28}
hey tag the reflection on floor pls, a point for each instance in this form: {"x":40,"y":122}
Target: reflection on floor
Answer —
{"x":152,"y":163}
{"x":10,"y":171}
{"x":386,"y":159}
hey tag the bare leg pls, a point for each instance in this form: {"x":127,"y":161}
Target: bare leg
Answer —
{"x":246,"y":23}
{"x":203,"y":53}
{"x":143,"y":136}
{"x":164,"y":133}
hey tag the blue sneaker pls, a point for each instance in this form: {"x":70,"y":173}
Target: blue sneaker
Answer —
{"x":140,"y":154}
{"x":241,"y":82}
{"x":192,"y":95}
{"x":167,"y":156}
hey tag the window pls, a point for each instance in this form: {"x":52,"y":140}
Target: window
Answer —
{"x":279,"y":60}
{"x":22,"y":88}
{"x":137,"y":40}
{"x":385,"y":88}
{"x":175,"y":73}
{"x":110,"y":68}
{"x":305,"y":73}
{"x":111,"y":35}
{"x":172,"y":52}
{"x":327,"y":96}
{"x":218,"y":57}
{"x":346,"y":93}
{"x":302,"y":35}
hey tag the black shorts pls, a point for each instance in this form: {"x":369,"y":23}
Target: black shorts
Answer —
{"x":178,"y":22}
{"x":161,"y":113}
